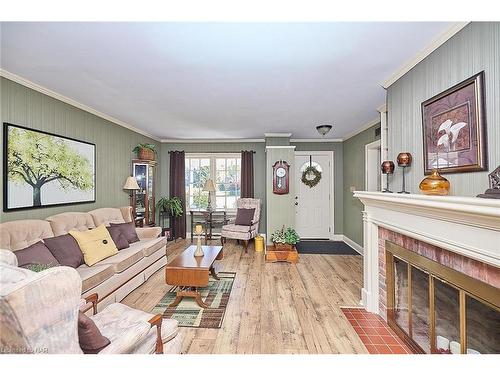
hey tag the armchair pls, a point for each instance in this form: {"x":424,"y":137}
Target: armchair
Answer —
{"x":39,"y":314}
{"x":242,"y":232}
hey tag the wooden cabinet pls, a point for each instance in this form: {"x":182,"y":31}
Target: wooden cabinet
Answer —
{"x":143,"y":205}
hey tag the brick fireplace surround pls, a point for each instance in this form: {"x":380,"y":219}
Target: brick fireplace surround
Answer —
{"x":459,"y":232}
{"x":471,"y":267}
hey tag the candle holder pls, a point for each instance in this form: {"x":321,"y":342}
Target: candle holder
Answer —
{"x":404,"y":160}
{"x":387,"y":168}
{"x":198,"y":230}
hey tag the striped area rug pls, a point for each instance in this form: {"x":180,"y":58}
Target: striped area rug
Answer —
{"x":189,"y":314}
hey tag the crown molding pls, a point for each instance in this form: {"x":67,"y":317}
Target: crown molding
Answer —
{"x":221,"y":140}
{"x":278,"y":135}
{"x":440,"y":40}
{"x":315,"y":140}
{"x":368,"y":125}
{"x":41,"y":89}
{"x":288,"y":147}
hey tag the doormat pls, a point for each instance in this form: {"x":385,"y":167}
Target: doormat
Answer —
{"x":325,"y":247}
{"x":189,"y":314}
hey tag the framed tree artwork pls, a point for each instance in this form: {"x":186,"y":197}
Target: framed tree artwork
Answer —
{"x":43,"y":169}
{"x":454,"y":128}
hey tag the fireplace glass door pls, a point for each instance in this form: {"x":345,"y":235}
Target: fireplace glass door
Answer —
{"x":436,"y":309}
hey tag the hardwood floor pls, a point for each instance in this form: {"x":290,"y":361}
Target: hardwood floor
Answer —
{"x":274,"y":307}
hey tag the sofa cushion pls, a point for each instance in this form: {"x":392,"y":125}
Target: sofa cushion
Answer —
{"x":66,"y":250}
{"x":125,"y":258}
{"x":107,"y":216}
{"x":90,"y":338}
{"x":244,"y":216}
{"x":63,"y":223}
{"x":152,"y":246}
{"x":37,"y":253}
{"x":118,"y":237}
{"x":95,"y":275}
{"x":18,"y":234}
{"x":128,"y":229}
{"x":95,"y":244}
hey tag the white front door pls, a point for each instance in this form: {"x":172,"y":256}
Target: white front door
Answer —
{"x":313,"y":204}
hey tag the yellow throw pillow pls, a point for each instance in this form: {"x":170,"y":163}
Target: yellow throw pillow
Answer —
{"x":95,"y":244}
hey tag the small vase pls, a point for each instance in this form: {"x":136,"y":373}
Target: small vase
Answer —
{"x":435,"y":184}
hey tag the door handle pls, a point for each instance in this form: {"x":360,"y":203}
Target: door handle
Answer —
{"x":296,"y":203}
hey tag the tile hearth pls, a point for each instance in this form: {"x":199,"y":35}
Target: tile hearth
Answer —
{"x":374,"y":332}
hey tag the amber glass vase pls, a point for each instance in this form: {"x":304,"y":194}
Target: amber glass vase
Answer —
{"x":435,"y":184}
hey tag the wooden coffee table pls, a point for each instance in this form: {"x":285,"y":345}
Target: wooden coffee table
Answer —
{"x":190,"y":273}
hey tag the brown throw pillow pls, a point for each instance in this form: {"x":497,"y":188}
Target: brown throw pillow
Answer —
{"x":37,"y":254}
{"x":128,"y":230}
{"x":118,"y":237}
{"x":91,"y":339}
{"x":65,"y":249}
{"x":244,"y":216}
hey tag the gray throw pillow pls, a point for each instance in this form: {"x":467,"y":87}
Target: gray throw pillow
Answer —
{"x":128,"y":230}
{"x":244,"y":216}
{"x":118,"y":237}
{"x":90,"y":338}
{"x":35,"y":254}
{"x":66,"y":250}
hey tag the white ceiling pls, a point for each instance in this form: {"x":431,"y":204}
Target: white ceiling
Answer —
{"x":219,"y":80}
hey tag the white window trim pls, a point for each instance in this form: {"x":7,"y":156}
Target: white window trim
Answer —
{"x":213,"y":167}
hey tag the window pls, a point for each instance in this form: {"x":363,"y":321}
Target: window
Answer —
{"x":223,"y":169}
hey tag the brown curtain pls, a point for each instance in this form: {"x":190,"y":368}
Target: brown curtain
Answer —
{"x":178,"y":189}
{"x":247,"y":174}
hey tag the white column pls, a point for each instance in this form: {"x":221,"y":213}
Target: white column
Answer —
{"x":369,"y":293}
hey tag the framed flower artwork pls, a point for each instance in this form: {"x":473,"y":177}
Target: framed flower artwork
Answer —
{"x":454,"y":128}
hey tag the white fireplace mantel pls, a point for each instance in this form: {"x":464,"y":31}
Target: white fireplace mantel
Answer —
{"x":467,"y":226}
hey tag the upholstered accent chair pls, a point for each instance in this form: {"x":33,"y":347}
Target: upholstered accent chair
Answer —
{"x":39,"y":314}
{"x":242,"y":232}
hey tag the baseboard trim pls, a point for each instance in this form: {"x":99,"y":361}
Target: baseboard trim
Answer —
{"x":337,"y":237}
{"x":353,"y":245}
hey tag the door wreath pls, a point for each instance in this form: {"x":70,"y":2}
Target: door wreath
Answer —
{"x":311,"y":176}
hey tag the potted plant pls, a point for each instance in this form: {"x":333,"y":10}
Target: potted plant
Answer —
{"x":171,"y":205}
{"x":145,"y":151}
{"x":285,"y":239}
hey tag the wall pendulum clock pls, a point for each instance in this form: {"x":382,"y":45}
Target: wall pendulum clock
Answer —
{"x":281,"y":177}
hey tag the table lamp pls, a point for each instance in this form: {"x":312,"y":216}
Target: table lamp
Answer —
{"x":210,"y":187}
{"x":387,"y":168}
{"x":404,"y":160}
{"x":131,"y":185}
{"x":198,"y":230}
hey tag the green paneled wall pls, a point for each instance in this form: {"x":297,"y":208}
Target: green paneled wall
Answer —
{"x":280,"y":208}
{"x":473,"y":49}
{"x":354,"y":175}
{"x":259,"y":162}
{"x":337,"y":148}
{"x":23,"y":106}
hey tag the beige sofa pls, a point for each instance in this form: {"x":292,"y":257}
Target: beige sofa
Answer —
{"x":112,"y":278}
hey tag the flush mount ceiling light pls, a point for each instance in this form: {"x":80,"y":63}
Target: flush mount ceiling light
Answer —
{"x":323,"y":129}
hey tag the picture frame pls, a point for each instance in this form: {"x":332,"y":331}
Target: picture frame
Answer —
{"x":454,"y":128}
{"x":43,"y":169}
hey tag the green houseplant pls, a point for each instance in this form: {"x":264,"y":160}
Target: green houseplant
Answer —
{"x":285,"y":239}
{"x":145,"y":151}
{"x":171,"y":205}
